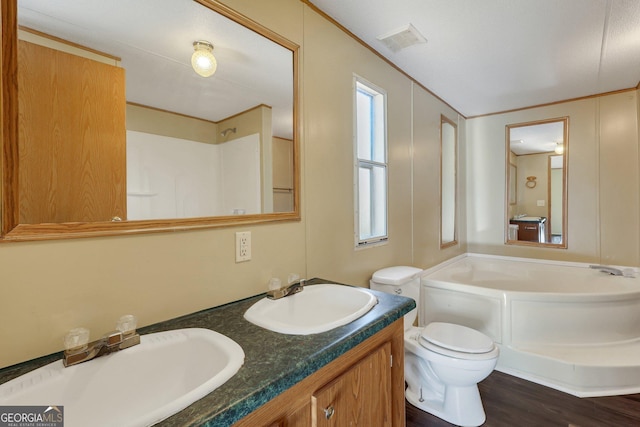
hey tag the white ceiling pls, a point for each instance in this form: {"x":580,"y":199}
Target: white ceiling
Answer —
{"x":539,"y":138}
{"x":154,"y":39}
{"x":487,"y":56}
{"x":481,"y":56}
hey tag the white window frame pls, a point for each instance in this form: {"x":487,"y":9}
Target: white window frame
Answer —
{"x":377,"y":209}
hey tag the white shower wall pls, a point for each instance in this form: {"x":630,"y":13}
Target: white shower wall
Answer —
{"x":177,"y":178}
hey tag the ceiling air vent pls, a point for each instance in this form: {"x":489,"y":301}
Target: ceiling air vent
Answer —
{"x":402,"y":38}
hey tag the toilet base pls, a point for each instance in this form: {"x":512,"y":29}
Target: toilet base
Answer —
{"x":461,"y":406}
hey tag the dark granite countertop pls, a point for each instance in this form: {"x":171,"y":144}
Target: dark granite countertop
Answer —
{"x":273,"y":362}
{"x":536,"y":219}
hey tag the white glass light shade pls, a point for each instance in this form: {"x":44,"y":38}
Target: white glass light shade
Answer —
{"x":559,"y":148}
{"x":202,"y":60}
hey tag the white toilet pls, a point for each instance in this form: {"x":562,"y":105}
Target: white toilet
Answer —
{"x":443,"y":362}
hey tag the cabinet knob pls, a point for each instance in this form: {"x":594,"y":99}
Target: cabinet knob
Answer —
{"x":328,"y":412}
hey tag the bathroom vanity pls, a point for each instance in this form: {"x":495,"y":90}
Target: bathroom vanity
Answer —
{"x":362,"y":385}
{"x":353,"y":372}
{"x":531,"y":229}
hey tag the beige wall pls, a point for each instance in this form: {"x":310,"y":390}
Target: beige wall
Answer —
{"x":603,"y":193}
{"x":330,"y":61}
{"x":426,"y":180}
{"x":51,"y":287}
{"x":532,"y":165}
{"x":158,"y":122}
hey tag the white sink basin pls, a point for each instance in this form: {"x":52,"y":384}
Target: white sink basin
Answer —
{"x":318,"y":308}
{"x":138,"y":386}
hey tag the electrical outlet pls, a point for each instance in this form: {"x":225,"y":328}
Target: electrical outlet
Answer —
{"x":243,"y":246}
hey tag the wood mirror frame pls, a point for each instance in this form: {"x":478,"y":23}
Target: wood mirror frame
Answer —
{"x":12,"y":230}
{"x":528,"y":184}
{"x":448,"y":182}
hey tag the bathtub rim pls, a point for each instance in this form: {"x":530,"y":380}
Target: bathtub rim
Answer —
{"x":578,"y":264}
{"x":512,"y":350}
{"x":539,"y":295}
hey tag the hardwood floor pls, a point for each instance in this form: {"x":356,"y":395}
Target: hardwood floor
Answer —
{"x":512,"y":402}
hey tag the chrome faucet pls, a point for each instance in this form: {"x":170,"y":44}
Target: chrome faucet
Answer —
{"x":605,"y":269}
{"x":79,"y":350}
{"x":627,"y":272}
{"x":285,"y":291}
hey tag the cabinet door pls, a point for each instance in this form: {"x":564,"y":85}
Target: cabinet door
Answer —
{"x":529,"y":232}
{"x":360,"y":396}
{"x":299,"y":418}
{"x":71,"y":137}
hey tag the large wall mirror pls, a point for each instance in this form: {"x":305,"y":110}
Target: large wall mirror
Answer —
{"x":536,"y":167}
{"x":109,"y":129}
{"x":448,"y":182}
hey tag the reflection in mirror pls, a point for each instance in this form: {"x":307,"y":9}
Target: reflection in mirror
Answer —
{"x":114,"y":124}
{"x":448,"y":184}
{"x":537,"y":183}
{"x":513,"y":190}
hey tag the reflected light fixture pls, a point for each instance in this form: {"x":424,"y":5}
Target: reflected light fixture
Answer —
{"x":202,"y":60}
{"x":559,"y":148}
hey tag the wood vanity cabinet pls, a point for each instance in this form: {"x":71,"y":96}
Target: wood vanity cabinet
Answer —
{"x":363,"y":387}
{"x":359,"y":396}
{"x":531,"y":231}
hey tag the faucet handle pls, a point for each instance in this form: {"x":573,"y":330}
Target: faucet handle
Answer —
{"x":293,"y":277}
{"x":76,"y":339}
{"x":127,"y":324}
{"x":274,"y":284}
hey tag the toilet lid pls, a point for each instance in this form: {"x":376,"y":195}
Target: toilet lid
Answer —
{"x":457,"y":338}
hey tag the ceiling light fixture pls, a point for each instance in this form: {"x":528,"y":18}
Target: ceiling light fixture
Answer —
{"x":559,"y":148}
{"x":202,"y":60}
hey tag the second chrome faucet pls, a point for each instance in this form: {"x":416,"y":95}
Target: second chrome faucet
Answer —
{"x":285,"y":291}
{"x":295,"y":285}
{"x":78,"y":349}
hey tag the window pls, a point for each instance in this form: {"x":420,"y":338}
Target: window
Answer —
{"x":371,"y":163}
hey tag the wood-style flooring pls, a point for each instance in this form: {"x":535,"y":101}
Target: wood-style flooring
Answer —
{"x":512,"y":402}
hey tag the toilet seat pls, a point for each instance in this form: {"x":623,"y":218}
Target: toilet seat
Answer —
{"x":456,"y":341}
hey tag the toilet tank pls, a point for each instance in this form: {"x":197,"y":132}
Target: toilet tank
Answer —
{"x":400,"y":280}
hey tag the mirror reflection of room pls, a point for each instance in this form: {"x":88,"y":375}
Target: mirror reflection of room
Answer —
{"x":175,"y":144}
{"x":448,"y":182}
{"x":536,"y":176}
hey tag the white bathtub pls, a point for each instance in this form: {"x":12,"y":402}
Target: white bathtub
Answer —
{"x":562,"y":325}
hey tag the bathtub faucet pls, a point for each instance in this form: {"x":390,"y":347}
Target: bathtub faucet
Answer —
{"x":627,"y":272}
{"x":606,"y":269}
{"x":78,"y":350}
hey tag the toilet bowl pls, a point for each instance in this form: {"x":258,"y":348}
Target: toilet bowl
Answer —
{"x":444,"y":362}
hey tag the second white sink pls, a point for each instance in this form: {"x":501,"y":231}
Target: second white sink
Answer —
{"x":318,"y":308}
{"x":138,"y":386}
